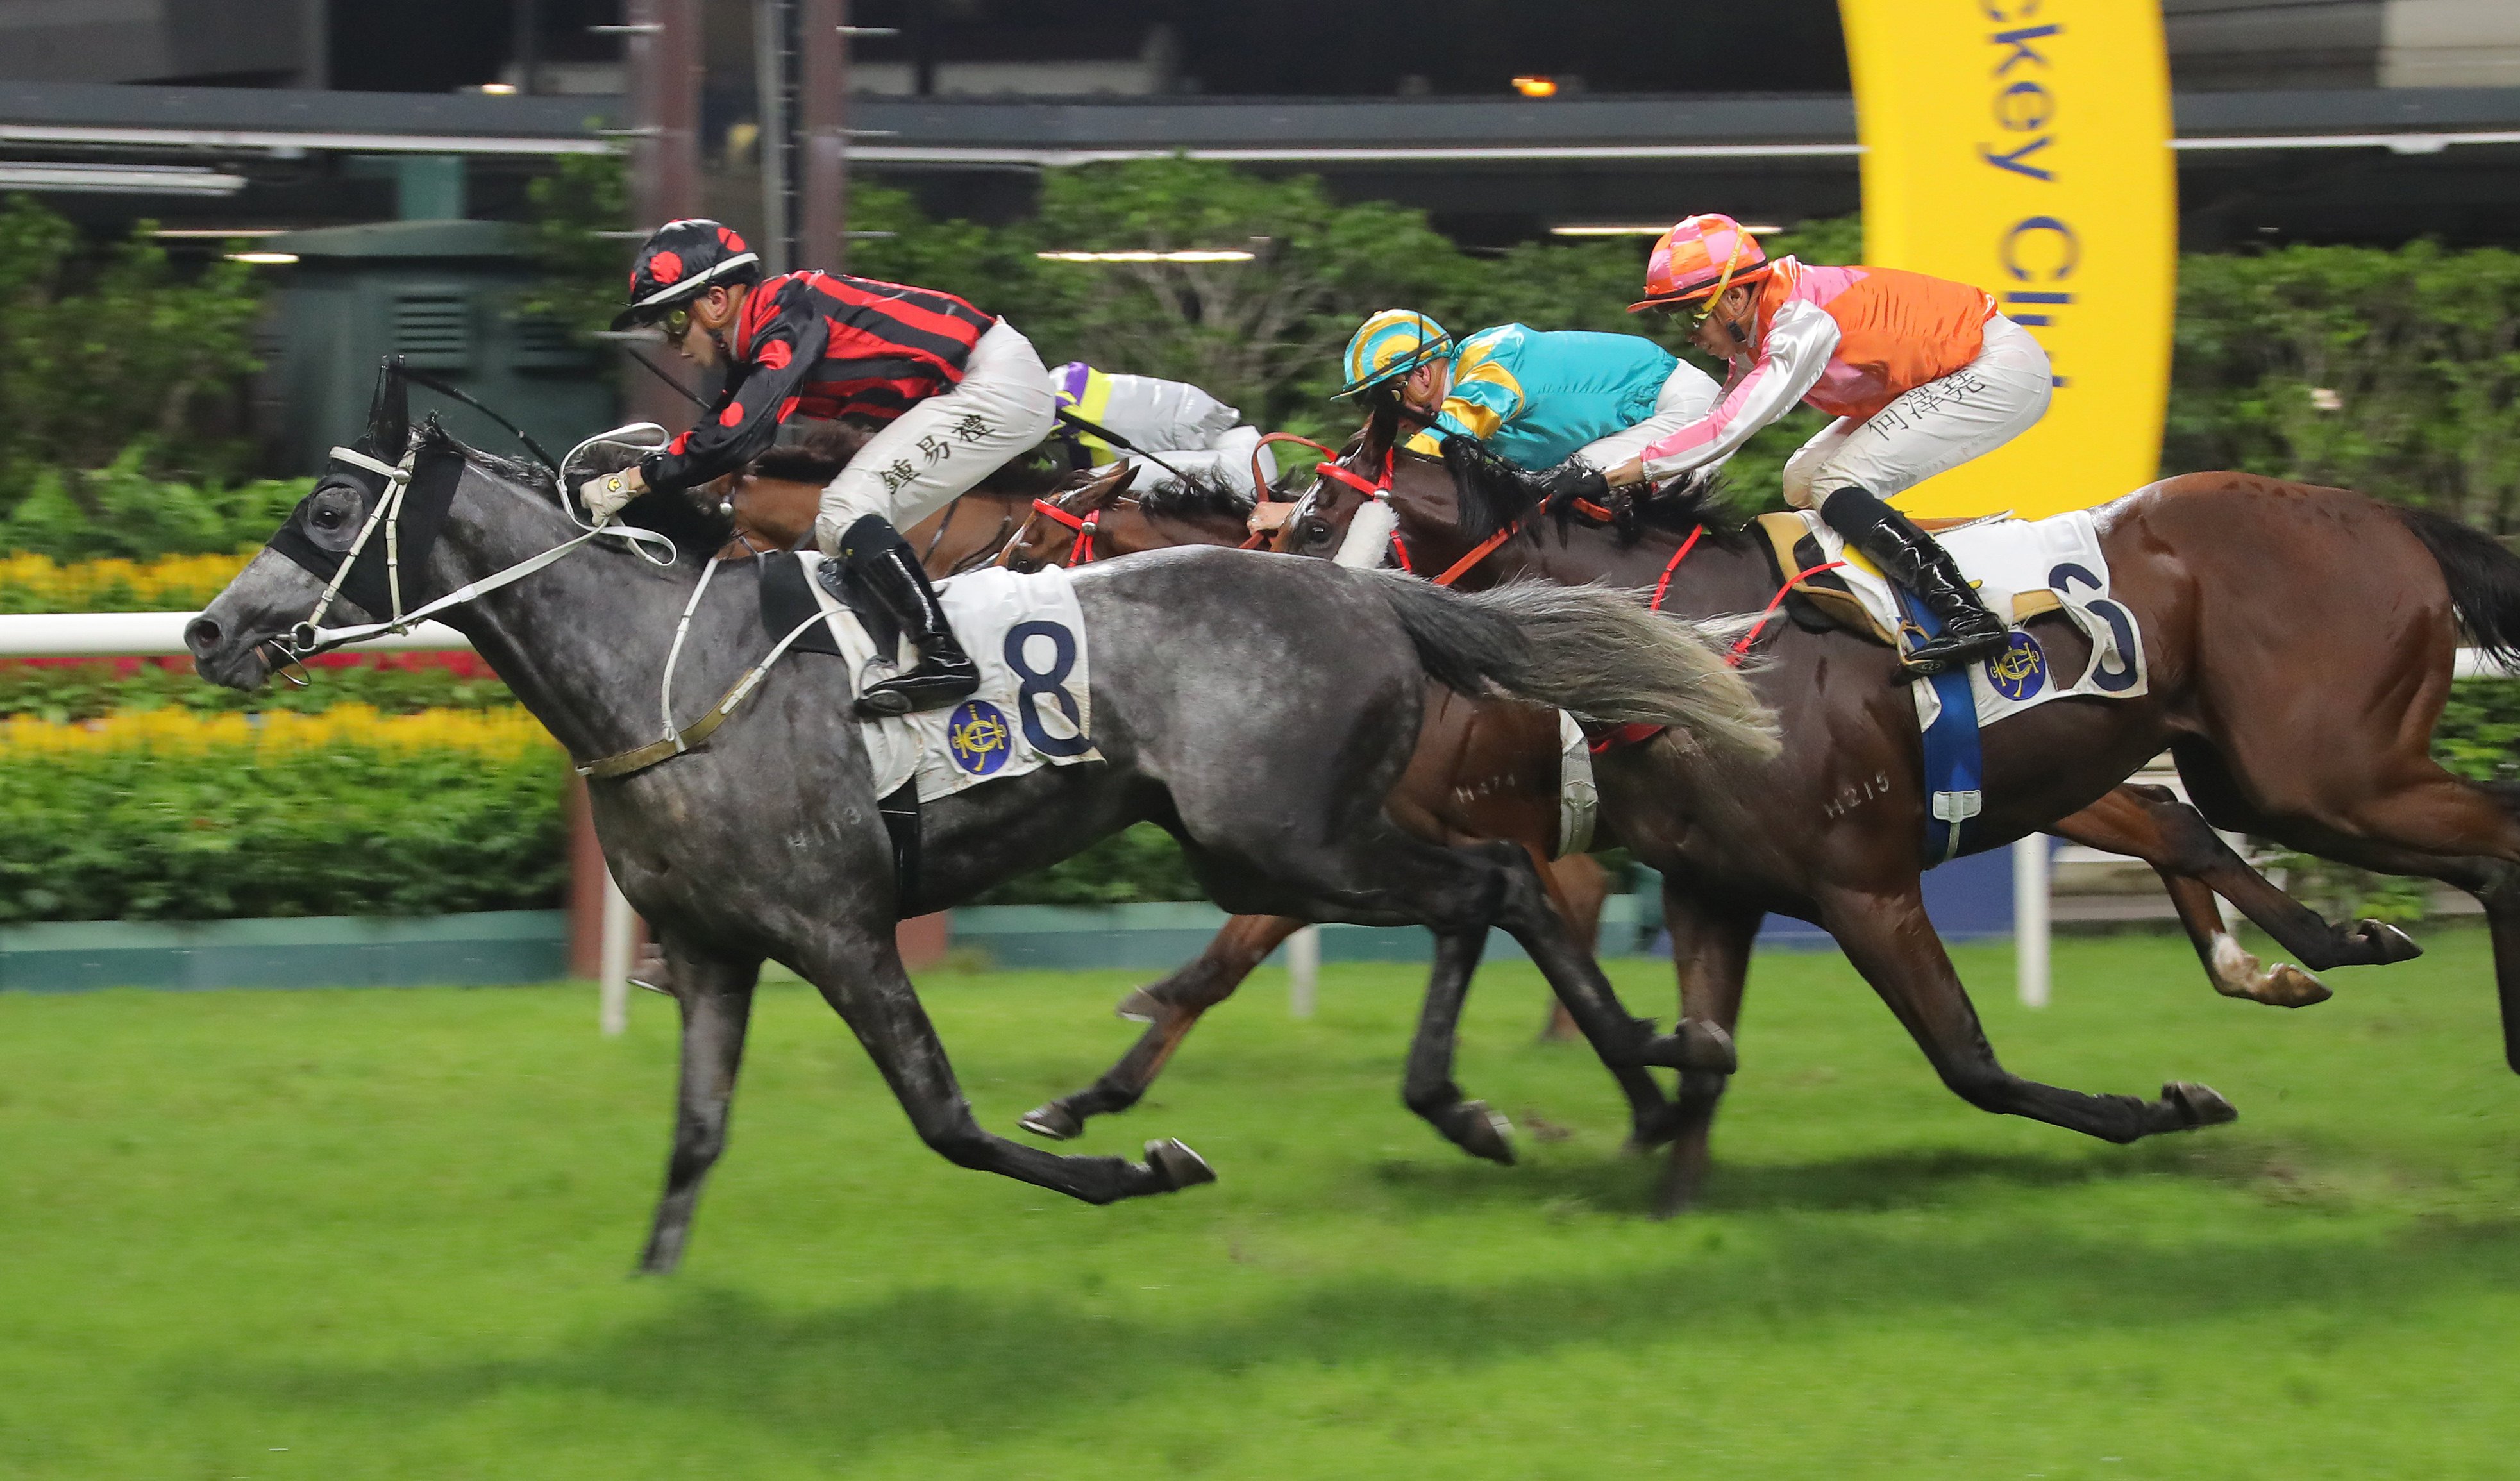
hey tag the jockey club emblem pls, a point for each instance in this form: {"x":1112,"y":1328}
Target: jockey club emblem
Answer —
{"x":977,"y":737}
{"x":2020,"y":671}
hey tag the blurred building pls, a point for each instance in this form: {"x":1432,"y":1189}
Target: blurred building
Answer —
{"x":2319,"y":120}
{"x":2300,"y":119}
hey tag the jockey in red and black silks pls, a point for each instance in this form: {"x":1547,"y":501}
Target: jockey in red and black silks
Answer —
{"x":960,"y":392}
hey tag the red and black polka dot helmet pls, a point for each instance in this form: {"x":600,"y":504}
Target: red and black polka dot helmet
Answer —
{"x":681,"y":260}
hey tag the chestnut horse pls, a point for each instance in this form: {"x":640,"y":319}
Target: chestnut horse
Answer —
{"x":2286,"y":720}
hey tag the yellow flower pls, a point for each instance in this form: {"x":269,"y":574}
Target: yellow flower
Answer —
{"x":506,"y":734}
{"x":173,"y":583}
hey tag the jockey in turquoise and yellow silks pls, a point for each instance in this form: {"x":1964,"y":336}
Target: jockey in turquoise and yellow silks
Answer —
{"x":1534,"y":397}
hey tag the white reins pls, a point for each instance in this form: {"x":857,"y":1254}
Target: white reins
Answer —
{"x":308,"y":637}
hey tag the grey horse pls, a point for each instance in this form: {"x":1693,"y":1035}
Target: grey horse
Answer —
{"x":1257,"y":706}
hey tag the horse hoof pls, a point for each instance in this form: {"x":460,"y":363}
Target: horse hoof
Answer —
{"x":1175,"y":1166}
{"x":2387,"y":943}
{"x":1693,"y":1044}
{"x":1140,"y":1006}
{"x":2198,"y":1105}
{"x":2288,"y":986}
{"x":1477,"y":1129}
{"x":1649,"y":1128}
{"x":1054,"y":1121}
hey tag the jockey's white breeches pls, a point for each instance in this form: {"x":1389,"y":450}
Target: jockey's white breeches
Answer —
{"x":1688,"y":394}
{"x":1228,"y":460}
{"x":934,"y":452}
{"x":1933,"y":428}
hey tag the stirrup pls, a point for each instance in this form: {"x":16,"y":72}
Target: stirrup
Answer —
{"x":1943,"y":651}
{"x":932,"y":684}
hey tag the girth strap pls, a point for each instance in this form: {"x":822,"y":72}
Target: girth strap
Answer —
{"x":699,"y":729}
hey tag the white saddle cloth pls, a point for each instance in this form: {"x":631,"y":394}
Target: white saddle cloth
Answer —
{"x":2004,"y":558}
{"x":1035,"y":704}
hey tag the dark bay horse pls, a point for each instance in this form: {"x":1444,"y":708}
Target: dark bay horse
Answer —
{"x":1267,"y":747}
{"x":2298,"y":709}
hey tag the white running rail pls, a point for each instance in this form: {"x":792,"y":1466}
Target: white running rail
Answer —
{"x":2034,"y":861}
{"x":125,"y":635}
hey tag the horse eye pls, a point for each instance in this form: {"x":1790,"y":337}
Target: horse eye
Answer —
{"x":327,"y":519}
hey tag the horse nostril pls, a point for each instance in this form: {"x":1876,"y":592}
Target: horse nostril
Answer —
{"x":201,"y":636}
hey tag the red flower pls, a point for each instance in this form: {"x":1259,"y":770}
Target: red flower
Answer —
{"x":666,"y":268}
{"x":775,"y":354}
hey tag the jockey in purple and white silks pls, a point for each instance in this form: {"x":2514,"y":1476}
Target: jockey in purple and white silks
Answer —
{"x":1191,"y":430}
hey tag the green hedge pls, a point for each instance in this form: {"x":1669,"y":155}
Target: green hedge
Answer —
{"x":89,"y":691}
{"x":139,"y":835}
{"x":1142,"y":862}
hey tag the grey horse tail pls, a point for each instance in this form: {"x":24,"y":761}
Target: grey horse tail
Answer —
{"x":1592,"y":651}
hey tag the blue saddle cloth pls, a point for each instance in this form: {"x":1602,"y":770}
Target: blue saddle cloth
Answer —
{"x":1953,"y":762}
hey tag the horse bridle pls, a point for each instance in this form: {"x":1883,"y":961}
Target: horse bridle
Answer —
{"x":309,"y":638}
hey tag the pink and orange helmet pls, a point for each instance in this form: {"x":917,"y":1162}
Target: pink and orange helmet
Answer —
{"x":1698,"y":258}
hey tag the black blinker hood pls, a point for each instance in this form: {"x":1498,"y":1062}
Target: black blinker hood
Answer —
{"x":425,"y":503}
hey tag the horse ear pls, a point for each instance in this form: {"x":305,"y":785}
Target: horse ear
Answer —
{"x":388,"y":413}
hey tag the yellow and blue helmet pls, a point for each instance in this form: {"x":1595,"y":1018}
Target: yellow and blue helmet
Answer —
{"x":1391,"y":345}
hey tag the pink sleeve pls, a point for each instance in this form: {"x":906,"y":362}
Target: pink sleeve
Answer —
{"x":1796,"y":350}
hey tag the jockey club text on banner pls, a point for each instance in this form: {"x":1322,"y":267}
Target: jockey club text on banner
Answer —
{"x":2023,"y":146}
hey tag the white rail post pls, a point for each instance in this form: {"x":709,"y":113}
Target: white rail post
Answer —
{"x":619,"y":933}
{"x":2030,"y":920}
{"x":1303,"y":969}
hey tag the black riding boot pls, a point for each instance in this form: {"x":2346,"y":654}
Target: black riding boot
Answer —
{"x":1910,"y":556}
{"x":876,"y":554}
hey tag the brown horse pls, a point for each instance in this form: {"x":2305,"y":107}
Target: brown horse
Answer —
{"x":2285,"y":722}
{"x":774,"y":502}
{"x":2146,"y":823}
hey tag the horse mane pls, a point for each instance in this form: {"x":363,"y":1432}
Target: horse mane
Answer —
{"x":1701,"y":500}
{"x":1494,"y":493}
{"x":818,"y":456}
{"x":432,"y":436}
{"x":1200,"y":495}
{"x":696,"y":529}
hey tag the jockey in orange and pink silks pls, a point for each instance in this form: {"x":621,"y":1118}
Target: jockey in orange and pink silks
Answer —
{"x":1922,"y":374}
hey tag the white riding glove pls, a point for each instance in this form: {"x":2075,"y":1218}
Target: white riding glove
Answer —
{"x":604,"y":495}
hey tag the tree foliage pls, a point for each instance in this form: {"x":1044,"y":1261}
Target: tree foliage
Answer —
{"x":115,"y":358}
{"x":2393,"y":372}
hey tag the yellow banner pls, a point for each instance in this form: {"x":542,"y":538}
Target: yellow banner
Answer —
{"x":2023,"y":146}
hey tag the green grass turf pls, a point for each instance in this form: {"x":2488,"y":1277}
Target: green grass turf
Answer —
{"x":386,"y":1233}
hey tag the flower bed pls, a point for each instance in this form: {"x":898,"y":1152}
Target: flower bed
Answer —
{"x":169,"y":815}
{"x":31,"y":583}
{"x":88,"y":689}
